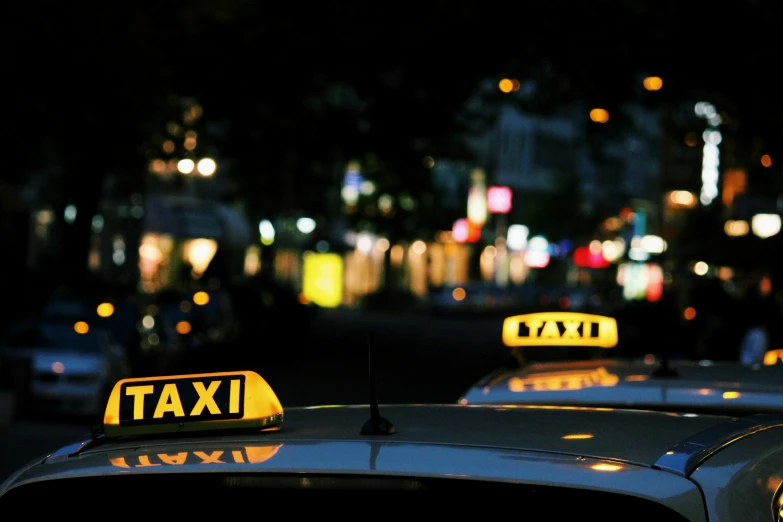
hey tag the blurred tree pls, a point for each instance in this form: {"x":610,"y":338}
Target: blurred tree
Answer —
{"x":304,"y":92}
{"x":89,"y":79}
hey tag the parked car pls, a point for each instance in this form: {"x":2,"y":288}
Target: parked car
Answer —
{"x":72,"y":366}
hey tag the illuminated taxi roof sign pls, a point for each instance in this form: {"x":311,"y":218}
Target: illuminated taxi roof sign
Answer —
{"x":560,"y":329}
{"x":205,"y":402}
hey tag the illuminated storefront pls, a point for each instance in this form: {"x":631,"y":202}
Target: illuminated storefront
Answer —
{"x":177,"y":239}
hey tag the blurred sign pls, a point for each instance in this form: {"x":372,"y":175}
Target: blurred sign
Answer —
{"x":536,"y":259}
{"x":516,"y":238}
{"x":586,"y":257}
{"x":499,"y":200}
{"x":735,"y":182}
{"x":464,"y":231}
{"x":654,"y":290}
{"x":477,"y":205}
{"x":640,"y":281}
{"x":477,"y":198}
{"x":322,"y":276}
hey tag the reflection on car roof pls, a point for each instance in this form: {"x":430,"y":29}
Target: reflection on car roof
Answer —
{"x":619,"y":383}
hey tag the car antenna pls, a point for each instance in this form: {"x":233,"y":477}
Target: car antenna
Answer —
{"x":665,"y":370}
{"x":376,"y":425}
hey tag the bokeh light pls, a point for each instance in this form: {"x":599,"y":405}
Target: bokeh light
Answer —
{"x":599,"y":115}
{"x":653,"y":83}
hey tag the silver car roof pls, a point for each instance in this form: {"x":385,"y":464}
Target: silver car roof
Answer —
{"x":588,"y":432}
{"x":652,"y":453}
{"x":624,"y":383}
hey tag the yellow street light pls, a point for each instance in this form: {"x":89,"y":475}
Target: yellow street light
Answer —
{"x":105,"y":309}
{"x":653,"y":83}
{"x":206,"y":167}
{"x":185,"y":166}
{"x":599,"y":115}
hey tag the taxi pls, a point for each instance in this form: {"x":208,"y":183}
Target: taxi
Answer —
{"x":596,"y":379}
{"x":222,"y":445}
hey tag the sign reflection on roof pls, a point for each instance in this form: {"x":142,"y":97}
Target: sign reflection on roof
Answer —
{"x":568,"y":380}
{"x":244,"y":455}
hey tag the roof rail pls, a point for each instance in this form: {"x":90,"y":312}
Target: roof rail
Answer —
{"x":684,"y":457}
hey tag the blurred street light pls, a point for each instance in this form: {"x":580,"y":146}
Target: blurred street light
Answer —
{"x":267,"y":232}
{"x":766,"y":160}
{"x":70,"y":214}
{"x":305,"y":225}
{"x":599,"y":115}
{"x":710,"y":153}
{"x":765,"y":225}
{"x":105,"y":310}
{"x":508,"y":85}
{"x":185,"y":166}
{"x":653,"y":83}
{"x":206,"y":167}
{"x":736,"y":228}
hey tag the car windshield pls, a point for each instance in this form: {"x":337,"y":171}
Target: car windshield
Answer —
{"x":61,"y":336}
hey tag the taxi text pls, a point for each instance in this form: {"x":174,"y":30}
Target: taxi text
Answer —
{"x":157,"y":401}
{"x":560,"y":329}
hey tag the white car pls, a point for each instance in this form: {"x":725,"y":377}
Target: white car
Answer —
{"x":71,"y":367}
{"x":221,"y":443}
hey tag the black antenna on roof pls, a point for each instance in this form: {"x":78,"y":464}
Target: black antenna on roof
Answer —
{"x":376,"y":425}
{"x":664,"y":369}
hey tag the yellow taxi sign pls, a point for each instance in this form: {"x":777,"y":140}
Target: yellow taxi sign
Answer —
{"x":201,"y":402}
{"x":773,"y":357}
{"x":560,"y":329}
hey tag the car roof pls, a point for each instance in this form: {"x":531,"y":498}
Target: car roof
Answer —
{"x":587,"y":432}
{"x":633,"y":383}
{"x":634,"y":453}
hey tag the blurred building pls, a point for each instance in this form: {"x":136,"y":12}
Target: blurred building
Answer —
{"x":543,"y":154}
{"x":451,"y":180}
{"x":157,"y":241}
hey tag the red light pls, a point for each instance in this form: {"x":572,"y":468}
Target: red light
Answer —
{"x":474,"y":232}
{"x":464,"y":231}
{"x":654,"y":288}
{"x":499,"y":200}
{"x":584,"y":258}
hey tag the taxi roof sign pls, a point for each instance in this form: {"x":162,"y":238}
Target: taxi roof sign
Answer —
{"x":186,"y":403}
{"x":560,"y":329}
